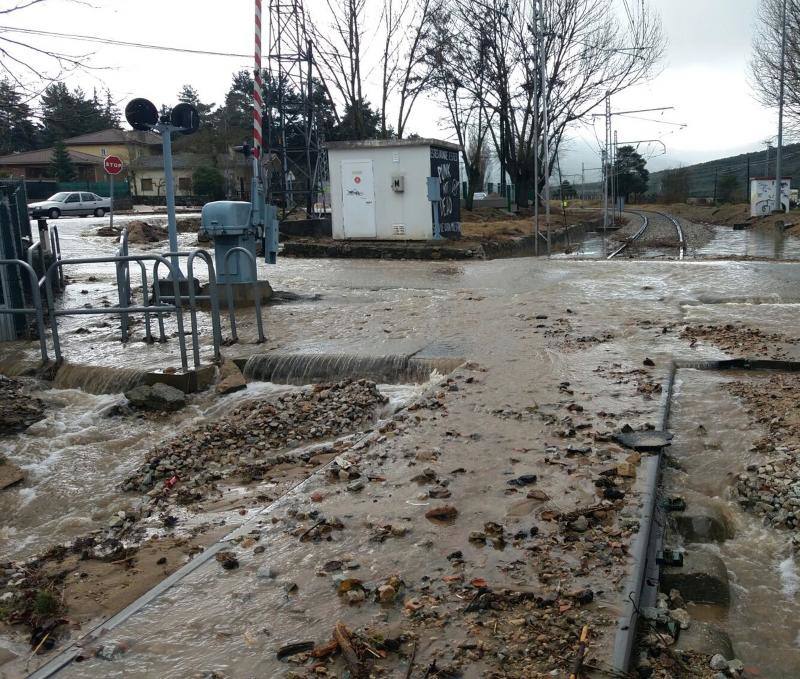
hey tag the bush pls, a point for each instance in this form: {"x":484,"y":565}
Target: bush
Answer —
{"x":208,"y":181}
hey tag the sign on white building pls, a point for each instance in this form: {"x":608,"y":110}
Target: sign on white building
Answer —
{"x":762,"y":195}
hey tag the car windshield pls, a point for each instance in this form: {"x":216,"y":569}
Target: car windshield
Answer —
{"x":59,"y":197}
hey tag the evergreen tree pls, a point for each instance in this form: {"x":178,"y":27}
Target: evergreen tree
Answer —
{"x":17,"y":132}
{"x":189,"y":95}
{"x":358,"y":122}
{"x":631,"y":171}
{"x":111,"y":114}
{"x":61,"y":164}
{"x":208,"y":182}
{"x":68,"y":114}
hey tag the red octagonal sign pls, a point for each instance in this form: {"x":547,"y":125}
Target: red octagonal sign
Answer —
{"x":112,"y":164}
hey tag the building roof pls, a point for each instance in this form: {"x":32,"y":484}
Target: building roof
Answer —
{"x":388,"y":143}
{"x":180,"y":161}
{"x":115,"y":136}
{"x":45,"y":156}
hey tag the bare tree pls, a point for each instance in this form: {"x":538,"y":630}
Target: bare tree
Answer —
{"x":412,"y":75}
{"x":589,"y":53}
{"x":29,"y":64}
{"x":450,"y":62}
{"x":392,"y":19}
{"x":340,"y":56}
{"x":765,"y":59}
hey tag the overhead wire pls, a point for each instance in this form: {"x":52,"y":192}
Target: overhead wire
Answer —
{"x":121,"y":43}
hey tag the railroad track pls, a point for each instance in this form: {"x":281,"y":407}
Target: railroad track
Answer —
{"x":641,"y":231}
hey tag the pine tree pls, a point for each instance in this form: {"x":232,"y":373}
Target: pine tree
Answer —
{"x":68,"y":114}
{"x":61,"y":164}
{"x":17,"y":132}
{"x":111,"y":114}
{"x":189,"y":95}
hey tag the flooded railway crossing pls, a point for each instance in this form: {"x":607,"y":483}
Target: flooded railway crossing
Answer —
{"x":472,"y":519}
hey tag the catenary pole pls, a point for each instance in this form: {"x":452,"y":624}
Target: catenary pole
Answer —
{"x":545,"y":123}
{"x":258,"y":102}
{"x":779,"y":152}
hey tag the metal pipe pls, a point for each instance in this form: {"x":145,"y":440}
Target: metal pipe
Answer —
{"x":256,"y":293}
{"x":212,"y":295}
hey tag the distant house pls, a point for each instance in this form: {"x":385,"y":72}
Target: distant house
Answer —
{"x":86,"y":152}
{"x":36,"y":165}
{"x":149,"y":181}
{"x":127,"y":144}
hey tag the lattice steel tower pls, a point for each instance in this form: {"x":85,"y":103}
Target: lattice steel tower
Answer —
{"x":292,"y":130}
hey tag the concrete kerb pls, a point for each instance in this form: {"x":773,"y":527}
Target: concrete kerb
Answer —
{"x":66,"y":656}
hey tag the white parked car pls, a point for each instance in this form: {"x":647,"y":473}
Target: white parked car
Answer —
{"x":80,"y":203}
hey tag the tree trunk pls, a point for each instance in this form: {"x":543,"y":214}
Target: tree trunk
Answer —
{"x":473,"y":185}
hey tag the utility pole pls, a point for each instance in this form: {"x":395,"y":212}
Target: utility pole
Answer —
{"x":715,"y":186}
{"x":536,"y":128}
{"x":779,"y":153}
{"x":747,"y":183}
{"x":545,"y":123}
{"x":615,"y":180}
{"x":605,"y":168}
{"x":583,"y":181}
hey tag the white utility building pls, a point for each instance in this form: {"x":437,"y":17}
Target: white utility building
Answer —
{"x":379,"y":188}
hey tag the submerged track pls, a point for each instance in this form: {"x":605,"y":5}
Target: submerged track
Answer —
{"x":646,"y":222}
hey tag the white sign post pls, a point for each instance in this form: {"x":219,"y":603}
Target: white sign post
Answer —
{"x":113,"y":166}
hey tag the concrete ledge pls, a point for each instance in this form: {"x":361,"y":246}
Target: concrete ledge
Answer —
{"x":702,"y":579}
{"x":384,"y":249}
{"x":703,"y":637}
{"x":188,"y":381}
{"x":702,"y":524}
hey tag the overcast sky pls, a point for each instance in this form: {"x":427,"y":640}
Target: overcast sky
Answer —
{"x":704,"y":74}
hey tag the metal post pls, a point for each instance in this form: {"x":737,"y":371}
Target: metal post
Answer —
{"x":779,"y":153}
{"x":604,"y":157}
{"x":169,"y":187}
{"x":583,"y":182}
{"x":614,"y":188}
{"x":536,"y":86}
{"x":111,"y":201}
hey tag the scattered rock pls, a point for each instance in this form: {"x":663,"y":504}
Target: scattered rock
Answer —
{"x":230,"y":378}
{"x":227,"y":560}
{"x":442,"y":513}
{"x":18,"y":410}
{"x":718,"y":662}
{"x":10,"y":473}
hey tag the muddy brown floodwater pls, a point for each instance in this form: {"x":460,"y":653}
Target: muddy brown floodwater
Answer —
{"x":555,"y":355}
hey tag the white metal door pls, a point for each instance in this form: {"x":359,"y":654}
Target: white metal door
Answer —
{"x":358,"y":199}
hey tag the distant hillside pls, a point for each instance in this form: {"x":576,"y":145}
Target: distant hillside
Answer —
{"x":701,"y":176}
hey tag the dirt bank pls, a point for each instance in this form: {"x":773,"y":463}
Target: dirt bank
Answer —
{"x":729,"y":215}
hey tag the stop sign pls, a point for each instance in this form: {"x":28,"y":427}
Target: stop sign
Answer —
{"x":112,"y":164}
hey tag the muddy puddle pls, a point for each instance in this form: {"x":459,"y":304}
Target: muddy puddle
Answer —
{"x":713,"y":436}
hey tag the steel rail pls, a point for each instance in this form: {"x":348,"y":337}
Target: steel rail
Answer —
{"x":640,"y":232}
{"x":633,"y":238}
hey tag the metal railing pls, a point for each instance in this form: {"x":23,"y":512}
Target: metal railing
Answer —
{"x":212,"y":297}
{"x":125,"y":308}
{"x":36,"y":310}
{"x":157,"y":304}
